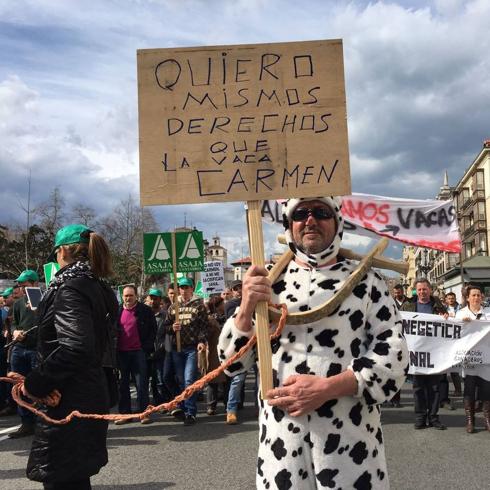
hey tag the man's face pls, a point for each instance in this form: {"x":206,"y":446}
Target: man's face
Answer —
{"x":237,"y":291}
{"x":226,"y":294}
{"x":25,"y":284}
{"x":155,"y":302}
{"x":423,"y":292}
{"x":398,"y":294}
{"x":186,"y":292}
{"x":475,"y":299}
{"x":9,"y":300}
{"x":171,"y":294}
{"x":129,"y":297}
{"x":450,"y":299}
{"x":18,"y":293}
{"x":313,"y":235}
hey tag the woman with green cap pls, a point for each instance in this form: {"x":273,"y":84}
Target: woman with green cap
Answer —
{"x":76,"y":319}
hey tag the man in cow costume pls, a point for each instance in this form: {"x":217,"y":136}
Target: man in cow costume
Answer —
{"x":320,"y":425}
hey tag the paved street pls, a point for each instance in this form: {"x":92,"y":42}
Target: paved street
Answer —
{"x":212,"y":455}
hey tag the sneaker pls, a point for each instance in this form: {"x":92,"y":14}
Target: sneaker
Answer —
{"x":23,"y":431}
{"x":190,"y":420}
{"x":178,"y":413}
{"x":122,"y":421}
{"x":231,"y":418}
{"x":146,"y":421}
{"x":211,"y":411}
{"x":420,"y":424}
{"x":436,"y":424}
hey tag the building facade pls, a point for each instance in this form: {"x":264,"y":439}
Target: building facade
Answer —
{"x":448,"y":271}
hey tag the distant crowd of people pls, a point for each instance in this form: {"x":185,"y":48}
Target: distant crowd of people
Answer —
{"x":431,"y":392}
{"x":146,"y":347}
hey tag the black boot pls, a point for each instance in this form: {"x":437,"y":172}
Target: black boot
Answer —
{"x":24,"y":430}
{"x":469,"y":411}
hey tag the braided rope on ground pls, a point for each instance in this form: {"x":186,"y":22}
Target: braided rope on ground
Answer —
{"x":18,"y":383}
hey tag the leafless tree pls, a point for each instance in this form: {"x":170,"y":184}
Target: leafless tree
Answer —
{"x":51,"y":213}
{"x":84,"y":215}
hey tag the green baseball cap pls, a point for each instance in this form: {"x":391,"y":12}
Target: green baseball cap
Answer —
{"x":28,"y":275}
{"x":69,"y":235}
{"x":186,"y":281}
{"x":7,"y":292}
{"x":155,"y":292}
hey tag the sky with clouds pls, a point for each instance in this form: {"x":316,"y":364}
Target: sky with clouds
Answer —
{"x":418,"y":97}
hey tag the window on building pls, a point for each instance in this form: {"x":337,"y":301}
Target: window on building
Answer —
{"x":481,"y":211}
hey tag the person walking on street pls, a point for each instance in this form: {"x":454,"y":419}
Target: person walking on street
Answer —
{"x":320,"y":424}
{"x":474,"y":311}
{"x":76,"y":316}
{"x":193,"y":328}
{"x":137,"y":331}
{"x":426,"y":387}
{"x":23,"y":354}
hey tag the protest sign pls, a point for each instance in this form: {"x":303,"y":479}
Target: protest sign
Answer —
{"x":437,"y":345}
{"x":50,"y":269}
{"x":422,"y":223}
{"x":243,"y":122}
{"x":157,"y":251}
{"x":213,"y":277}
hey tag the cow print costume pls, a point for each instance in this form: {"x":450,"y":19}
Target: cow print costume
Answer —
{"x":340,"y":444}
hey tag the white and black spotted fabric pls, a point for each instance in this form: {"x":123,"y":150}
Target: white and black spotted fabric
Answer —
{"x":71,"y":271}
{"x":339,"y":445}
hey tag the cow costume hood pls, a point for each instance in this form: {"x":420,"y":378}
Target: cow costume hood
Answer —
{"x":321,"y":258}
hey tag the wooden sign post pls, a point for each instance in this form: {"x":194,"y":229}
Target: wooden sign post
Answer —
{"x":176,"y":290}
{"x":243,"y":123}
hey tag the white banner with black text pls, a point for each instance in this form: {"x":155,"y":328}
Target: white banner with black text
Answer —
{"x":437,"y":345}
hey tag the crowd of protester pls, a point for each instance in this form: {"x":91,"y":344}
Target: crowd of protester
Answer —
{"x":147,"y":356}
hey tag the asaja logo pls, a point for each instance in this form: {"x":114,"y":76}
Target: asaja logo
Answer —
{"x":191,"y":250}
{"x":160,"y":251}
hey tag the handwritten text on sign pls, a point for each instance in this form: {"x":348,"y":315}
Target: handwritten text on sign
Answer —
{"x":213,"y":277}
{"x":245,"y":122}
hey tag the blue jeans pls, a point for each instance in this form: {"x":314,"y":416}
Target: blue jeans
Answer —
{"x":185,"y":366}
{"x":133,"y":363}
{"x":235,"y":393}
{"x":23,"y":361}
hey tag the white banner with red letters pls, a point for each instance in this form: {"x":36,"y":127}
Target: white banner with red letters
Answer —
{"x":422,"y":223}
{"x":437,"y":345}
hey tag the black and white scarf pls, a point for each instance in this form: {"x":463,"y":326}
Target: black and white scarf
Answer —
{"x":71,"y":271}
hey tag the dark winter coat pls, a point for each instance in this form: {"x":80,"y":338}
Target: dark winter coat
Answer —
{"x":147,"y":326}
{"x":437,"y":307}
{"x":73,"y":339}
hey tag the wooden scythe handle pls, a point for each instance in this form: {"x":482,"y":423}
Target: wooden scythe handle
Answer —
{"x":324,"y":310}
{"x":380,"y":262}
{"x":261,"y":314}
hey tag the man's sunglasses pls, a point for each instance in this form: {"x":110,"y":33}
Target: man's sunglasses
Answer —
{"x":302,"y":214}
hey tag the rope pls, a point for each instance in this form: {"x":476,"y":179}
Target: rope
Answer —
{"x":18,"y":383}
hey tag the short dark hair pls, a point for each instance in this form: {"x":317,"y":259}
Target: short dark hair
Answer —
{"x":469,"y":287}
{"x":397,"y":286}
{"x":132,"y":286}
{"x":422,"y":280}
{"x":451,"y":294}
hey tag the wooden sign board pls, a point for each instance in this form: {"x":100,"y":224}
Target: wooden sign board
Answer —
{"x":244,"y":122}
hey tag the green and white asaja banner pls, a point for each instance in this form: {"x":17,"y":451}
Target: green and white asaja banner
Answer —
{"x":157,"y":250}
{"x":50,"y":269}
